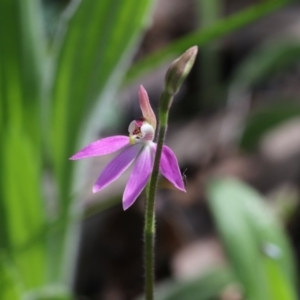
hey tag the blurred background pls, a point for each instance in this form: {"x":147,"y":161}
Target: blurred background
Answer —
{"x":69,"y":74}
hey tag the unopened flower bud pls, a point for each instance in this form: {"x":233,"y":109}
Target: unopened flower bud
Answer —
{"x":179,"y":69}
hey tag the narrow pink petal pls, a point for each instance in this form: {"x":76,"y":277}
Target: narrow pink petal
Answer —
{"x":146,"y":108}
{"x":103,"y":146}
{"x":117,"y":166}
{"x":170,"y":169}
{"x":138,"y":177}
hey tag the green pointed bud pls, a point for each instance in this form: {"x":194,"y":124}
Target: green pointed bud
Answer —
{"x":179,"y":69}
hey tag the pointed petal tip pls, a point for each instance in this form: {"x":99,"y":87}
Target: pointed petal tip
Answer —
{"x":125,"y":207}
{"x":95,"y":189}
{"x":127,"y":204}
{"x":179,"y":187}
{"x":142,"y":89}
{"x":143,"y":95}
{"x":74,"y":156}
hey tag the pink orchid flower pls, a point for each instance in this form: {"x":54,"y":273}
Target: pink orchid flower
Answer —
{"x":138,"y":149}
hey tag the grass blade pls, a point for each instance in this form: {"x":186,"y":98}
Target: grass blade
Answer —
{"x":91,"y":59}
{"x":22,"y":48}
{"x":203,"y":37}
{"x":256,"y":244}
{"x":93,"y":51}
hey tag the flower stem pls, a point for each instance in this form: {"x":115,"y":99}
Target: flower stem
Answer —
{"x":149,"y":227}
{"x":176,"y":74}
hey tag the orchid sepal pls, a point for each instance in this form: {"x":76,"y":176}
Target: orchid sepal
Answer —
{"x":146,"y":108}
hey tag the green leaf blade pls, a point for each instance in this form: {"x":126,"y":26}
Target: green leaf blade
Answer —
{"x":203,"y":37}
{"x":247,"y":229}
{"x":93,"y":56}
{"x":23,"y":209}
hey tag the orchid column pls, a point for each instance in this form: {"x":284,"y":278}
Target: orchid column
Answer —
{"x":176,"y":74}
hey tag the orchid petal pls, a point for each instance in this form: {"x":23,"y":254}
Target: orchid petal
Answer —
{"x":170,"y":169}
{"x":103,"y":146}
{"x":138,"y":177}
{"x":146,"y":108}
{"x":117,"y":166}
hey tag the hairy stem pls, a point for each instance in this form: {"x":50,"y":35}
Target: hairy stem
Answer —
{"x":149,"y":227}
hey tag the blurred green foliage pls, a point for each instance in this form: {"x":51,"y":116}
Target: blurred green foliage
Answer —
{"x":261,"y":260}
{"x":267,"y":118}
{"x":205,"y":287}
{"x":46,"y":96}
{"x":255,"y":242}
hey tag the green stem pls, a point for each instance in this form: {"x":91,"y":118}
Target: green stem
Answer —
{"x":149,"y":227}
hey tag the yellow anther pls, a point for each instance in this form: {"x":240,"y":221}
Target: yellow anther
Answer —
{"x":132,"y":139}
